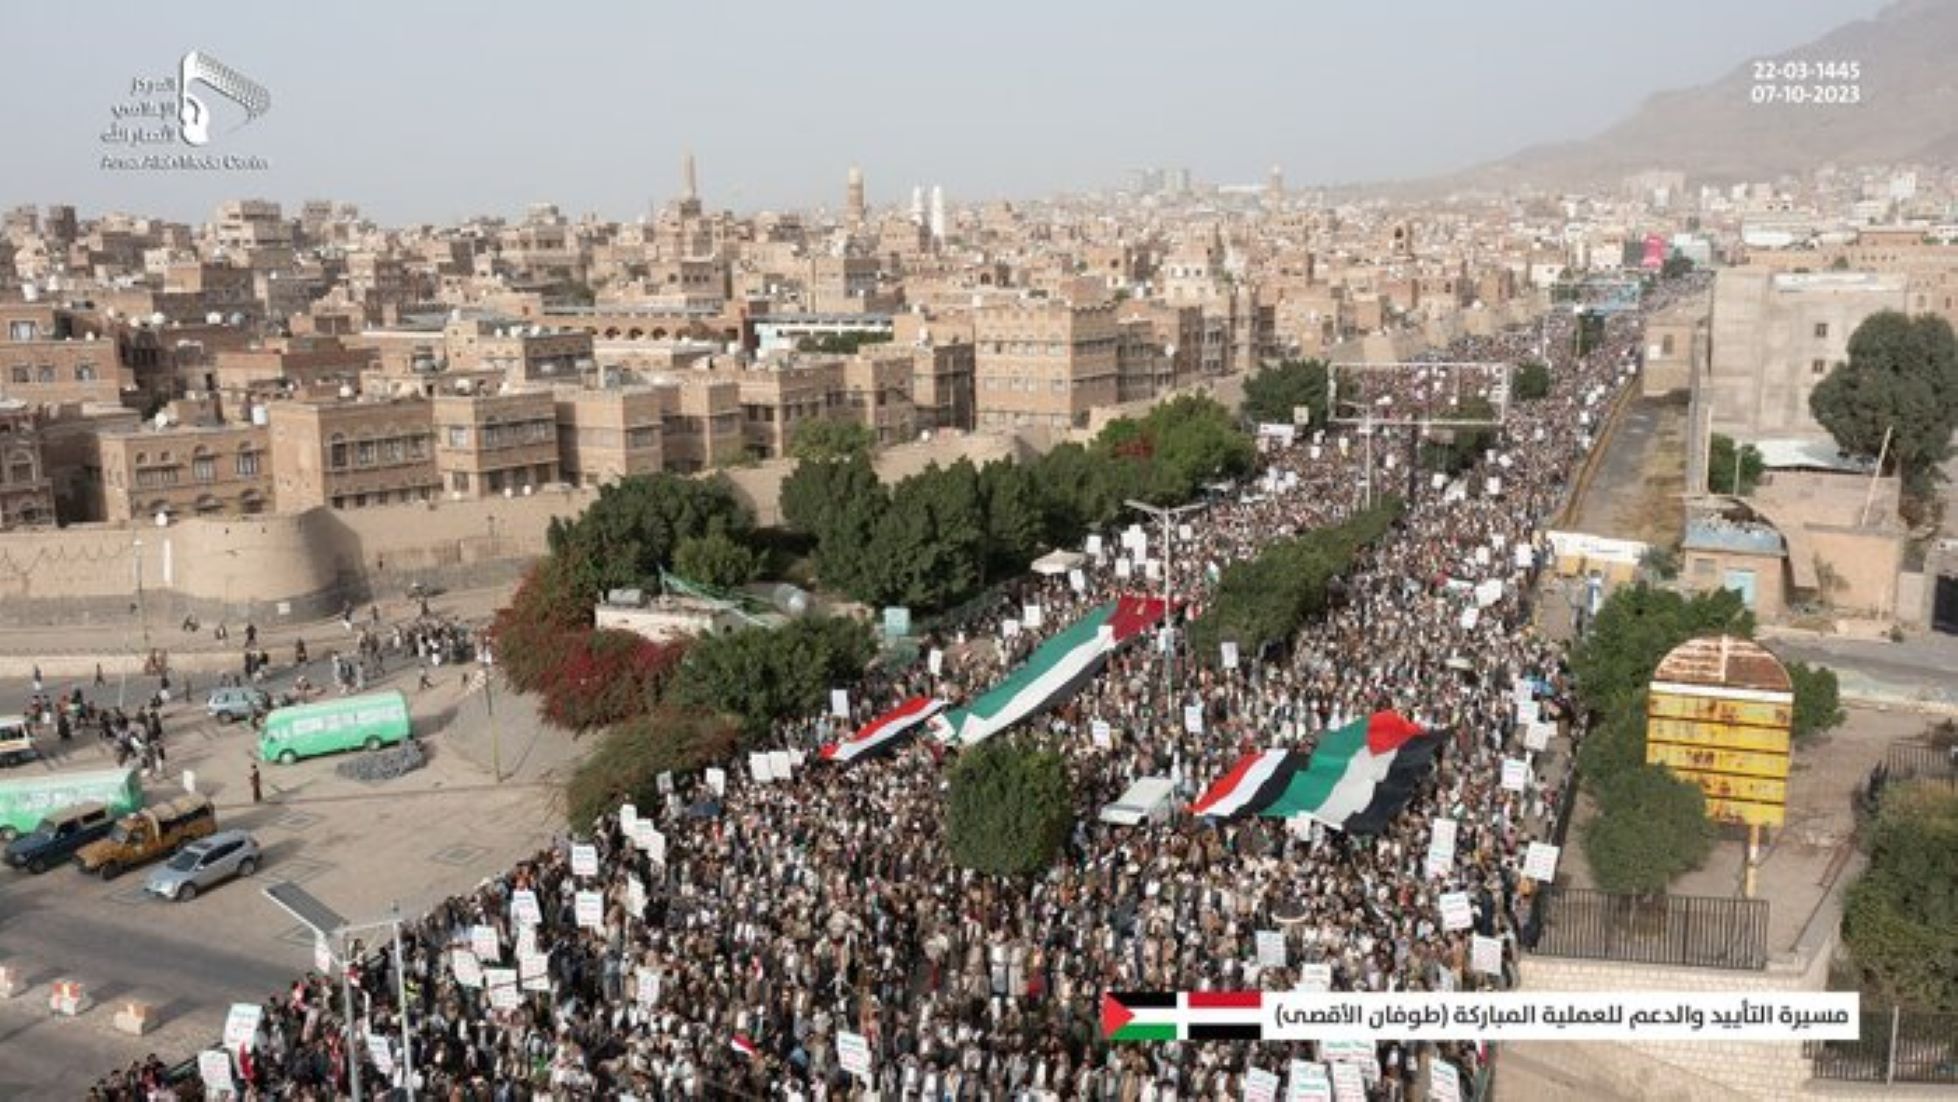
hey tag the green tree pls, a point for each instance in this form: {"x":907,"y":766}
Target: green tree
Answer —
{"x":1016,"y":529}
{"x":760,"y":675}
{"x":715,"y":560}
{"x":631,"y":531}
{"x":1818,"y":701}
{"x":632,"y":755}
{"x":1723,"y":464}
{"x":1532,"y":381}
{"x":1655,"y":828}
{"x":1273,"y":393}
{"x":1900,"y":918}
{"x":1902,"y":378}
{"x":821,"y":438}
{"x":928,"y":546}
{"x":840,"y":502}
{"x":1009,"y":810}
{"x":1266,"y":599}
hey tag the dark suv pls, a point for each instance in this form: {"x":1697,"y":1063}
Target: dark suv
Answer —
{"x":59,"y":836}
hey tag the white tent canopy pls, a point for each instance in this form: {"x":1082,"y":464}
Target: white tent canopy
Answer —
{"x":1147,"y":800}
{"x":1058,"y":562}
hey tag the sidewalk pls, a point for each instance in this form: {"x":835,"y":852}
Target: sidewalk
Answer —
{"x":75,"y":651}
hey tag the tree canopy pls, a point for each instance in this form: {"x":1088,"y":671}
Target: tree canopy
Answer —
{"x":1655,"y":828}
{"x":1264,"y":600}
{"x":1532,"y":381}
{"x":758,"y":675}
{"x":632,"y":755}
{"x":1900,"y":918}
{"x":1271,"y":394}
{"x":823,"y":438}
{"x":1724,"y":463}
{"x":1901,"y":377}
{"x":1010,"y":808}
{"x":632,"y":530}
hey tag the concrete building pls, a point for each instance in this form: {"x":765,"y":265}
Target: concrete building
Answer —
{"x":493,"y":444}
{"x":1678,"y":343}
{"x":26,"y":492}
{"x":352,"y":454}
{"x":606,"y":435}
{"x":1750,"y":559}
{"x":1775,"y":336}
{"x":51,"y":355}
{"x":179,"y":471}
{"x":700,"y":422}
{"x":1044,"y":363}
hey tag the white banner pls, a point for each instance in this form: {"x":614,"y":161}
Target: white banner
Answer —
{"x":1308,"y":1081}
{"x":717,"y":780}
{"x":241,"y":1025}
{"x":524,"y":910}
{"x":1485,"y":955}
{"x":1515,"y":774}
{"x":1271,"y":949}
{"x":467,"y":969}
{"x":1315,"y":977}
{"x":853,"y":1053}
{"x":1441,"y":847}
{"x":1455,"y":911}
{"x":1103,"y":734}
{"x":1540,"y":862}
{"x":1193,"y":718}
{"x":1033,"y":616}
{"x":483,"y":942}
{"x":1365,"y":1017}
{"x":839,"y":703}
{"x":1229,"y":649}
{"x":590,"y":909}
{"x":1349,"y":1084}
{"x":1444,"y":1082}
{"x":214,"y":1068}
{"x":1260,"y":1085}
{"x":1537,"y":736}
{"x":584,"y":859}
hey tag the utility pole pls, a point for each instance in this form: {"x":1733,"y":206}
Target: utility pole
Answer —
{"x":1169,"y":544}
{"x":489,"y":707}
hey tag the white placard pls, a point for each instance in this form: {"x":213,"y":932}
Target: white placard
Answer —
{"x":322,"y":955}
{"x":1470,"y":618}
{"x":1482,"y":556}
{"x":584,"y":859}
{"x":1485,"y":955}
{"x":467,"y":969}
{"x":655,"y":846}
{"x":717,"y":780}
{"x":1033,"y":616}
{"x":534,"y":971}
{"x":590,"y":908}
{"x":1315,"y":977}
{"x":664,"y":782}
{"x":1193,"y":718}
{"x":241,"y":1026}
{"x":1349,"y":1084}
{"x":1103,"y":734}
{"x":214,"y":1068}
{"x":758,"y":767}
{"x":1307,"y":1081}
{"x":1528,"y":711}
{"x":1492,"y":486}
{"x":524,"y":909}
{"x":483,"y":942}
{"x":839,"y":703}
{"x":853,"y":1053}
{"x":635,"y":895}
{"x":383,"y":1057}
{"x":1077,"y":581}
{"x":1537,"y":736}
{"x":628,"y":815}
{"x":1455,"y":911}
{"x":643,"y":833}
{"x":1540,"y":862}
{"x":782,"y":764}
{"x":1229,"y":649}
{"x":504,"y":994}
{"x":1093,"y":546}
{"x":1444,"y":1082}
{"x":1441,"y":847}
{"x":1260,"y":1085}
{"x":1515,"y":774}
{"x":1009,"y":628}
{"x":1271,"y":949}
{"x":1524,"y":557}
{"x":1184,"y":531}
{"x":646,"y":987}
{"x":527,"y":940}
{"x":1488,"y":593}
{"x":1123,"y":569}
{"x":1153,"y":569}
{"x":935,"y":661}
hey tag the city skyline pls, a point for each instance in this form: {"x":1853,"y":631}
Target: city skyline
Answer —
{"x":508,"y":127}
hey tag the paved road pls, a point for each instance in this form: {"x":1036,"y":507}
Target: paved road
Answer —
{"x":1922,"y":670}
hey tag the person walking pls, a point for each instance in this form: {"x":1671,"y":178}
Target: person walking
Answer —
{"x":258,"y":794}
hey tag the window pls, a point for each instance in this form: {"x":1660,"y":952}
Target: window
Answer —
{"x":364,"y":453}
{"x":84,"y":373}
{"x":247,"y":463}
{"x":1665,"y":345}
{"x":1818,"y":367}
{"x":204,"y":469}
{"x":1821,"y":330}
{"x":45,"y":374}
{"x":21,"y":374}
{"x":338,"y":454}
{"x":459,"y":480}
{"x":20,"y":331}
{"x":458,"y":436}
{"x":391,"y":449}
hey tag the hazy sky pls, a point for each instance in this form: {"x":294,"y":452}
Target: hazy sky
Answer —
{"x":427,"y":111}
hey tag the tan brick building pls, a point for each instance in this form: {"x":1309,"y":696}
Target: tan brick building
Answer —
{"x":26,"y":492}
{"x":50,"y":355}
{"x":352,"y":454}
{"x":1044,"y":363}
{"x":700,"y":422}
{"x":606,"y":435}
{"x":487,"y":445}
{"x":195,"y":470}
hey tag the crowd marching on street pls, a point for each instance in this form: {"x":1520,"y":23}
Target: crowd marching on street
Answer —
{"x":729,"y":958}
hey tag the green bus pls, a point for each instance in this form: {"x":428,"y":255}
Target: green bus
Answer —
{"x":25,"y":801}
{"x":305,"y":730}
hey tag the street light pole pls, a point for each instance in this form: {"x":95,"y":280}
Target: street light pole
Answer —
{"x":1169,"y":545}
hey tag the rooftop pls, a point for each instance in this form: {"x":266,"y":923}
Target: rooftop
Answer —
{"x":1714,"y":534}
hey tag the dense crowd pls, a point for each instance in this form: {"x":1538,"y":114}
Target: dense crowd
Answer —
{"x":772,"y":917}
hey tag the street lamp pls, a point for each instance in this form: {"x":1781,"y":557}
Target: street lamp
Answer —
{"x":326,"y":924}
{"x":1169,"y":545}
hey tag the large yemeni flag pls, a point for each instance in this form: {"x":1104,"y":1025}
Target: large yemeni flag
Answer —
{"x":1361,"y":774}
{"x":1253,"y":784}
{"x":1052,"y":673}
{"x":884,"y":730}
{"x":1184,"y":1016}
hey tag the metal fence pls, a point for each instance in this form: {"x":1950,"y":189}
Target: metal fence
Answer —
{"x":1920,"y":761}
{"x":1683,"y":930}
{"x":1893,"y":1046}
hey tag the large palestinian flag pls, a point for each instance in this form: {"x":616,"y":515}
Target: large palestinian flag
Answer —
{"x":884,"y":730}
{"x":1051,"y":674}
{"x":1357,"y":778}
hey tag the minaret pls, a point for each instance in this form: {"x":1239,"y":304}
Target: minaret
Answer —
{"x":689,"y":186}
{"x":937,"y":212}
{"x":853,"y":198}
{"x":1275,"y":187}
{"x":917,"y":206}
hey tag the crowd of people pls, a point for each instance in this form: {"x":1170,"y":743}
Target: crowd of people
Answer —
{"x":729,"y":957}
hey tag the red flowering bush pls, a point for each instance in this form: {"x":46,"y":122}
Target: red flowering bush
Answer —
{"x":600,"y":678}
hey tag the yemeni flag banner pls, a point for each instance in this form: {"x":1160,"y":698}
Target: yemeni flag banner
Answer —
{"x":1184,"y":1016}
{"x":883,"y":731}
{"x":1253,"y":784}
{"x":1052,"y":673}
{"x":1360,"y":775}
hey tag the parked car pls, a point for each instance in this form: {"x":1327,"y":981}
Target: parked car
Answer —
{"x":205,"y":863}
{"x":59,"y":836}
{"x":237,"y":702}
{"x":16,"y":741}
{"x":148,"y":834}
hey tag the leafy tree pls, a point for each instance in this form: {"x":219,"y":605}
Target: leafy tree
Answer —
{"x":1655,"y":828}
{"x":716,"y":560}
{"x":1590,"y":332}
{"x":604,"y":677}
{"x":632,"y":530}
{"x":530,"y":635}
{"x":1016,"y":527}
{"x":1194,"y":440}
{"x":822,"y":438}
{"x":1266,"y":599}
{"x":1532,"y":381}
{"x":1272,"y":394}
{"x":1721,"y":466}
{"x":1902,"y":377}
{"x":845,"y":344}
{"x":1818,"y":703}
{"x":1900,"y":918}
{"x":928,"y":546}
{"x":629,"y":760}
{"x":1010,"y":808}
{"x":760,"y":675}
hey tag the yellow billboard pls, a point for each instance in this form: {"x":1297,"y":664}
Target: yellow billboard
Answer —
{"x":1713,"y":709}
{"x":1743,"y":813}
{"x":1717,"y":736}
{"x":1732,"y":762}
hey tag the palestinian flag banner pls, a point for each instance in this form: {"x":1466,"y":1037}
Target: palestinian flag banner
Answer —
{"x":1052,"y":673}
{"x":1182,"y":1016}
{"x":883,"y":731}
{"x":1253,"y":784}
{"x":1360,"y":775}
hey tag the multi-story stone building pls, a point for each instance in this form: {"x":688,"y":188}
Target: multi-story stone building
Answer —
{"x":700,"y":422}
{"x":192,"y":470}
{"x":1044,"y":363}
{"x":352,"y":454}
{"x":26,"y":492}
{"x":606,"y":435}
{"x":1775,"y":336}
{"x":51,"y":355}
{"x":490,"y":444}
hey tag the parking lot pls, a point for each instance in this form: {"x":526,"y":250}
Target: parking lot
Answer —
{"x":361,"y":847}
